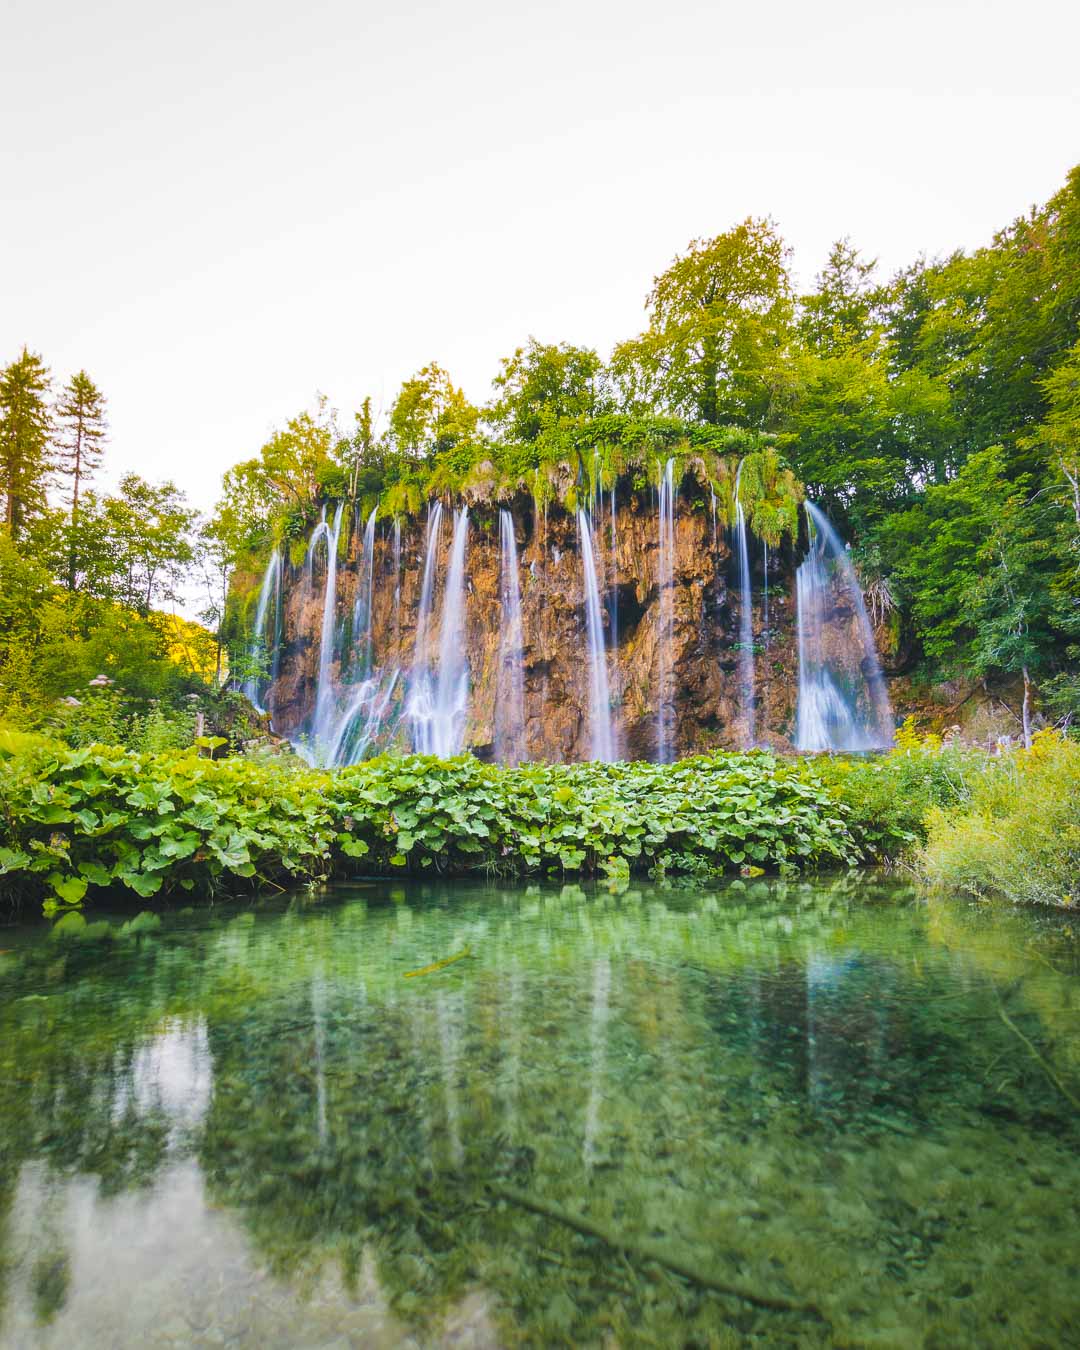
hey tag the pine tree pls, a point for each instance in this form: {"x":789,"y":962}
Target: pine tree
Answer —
{"x":80,"y":431}
{"x":24,"y":440}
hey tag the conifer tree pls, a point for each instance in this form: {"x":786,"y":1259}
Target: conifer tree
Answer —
{"x":80,"y":432}
{"x":24,"y":440}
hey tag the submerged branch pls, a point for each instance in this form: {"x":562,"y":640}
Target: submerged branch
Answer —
{"x":645,"y":1251}
{"x":1033,"y":1050}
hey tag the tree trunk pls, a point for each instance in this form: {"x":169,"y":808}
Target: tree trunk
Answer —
{"x":1027,"y":709}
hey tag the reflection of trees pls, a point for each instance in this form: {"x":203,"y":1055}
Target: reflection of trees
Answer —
{"x":655,"y":1062}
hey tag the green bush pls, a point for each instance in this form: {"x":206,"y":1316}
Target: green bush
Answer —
{"x":888,"y":797}
{"x":77,"y":821}
{"x":1018,"y":834}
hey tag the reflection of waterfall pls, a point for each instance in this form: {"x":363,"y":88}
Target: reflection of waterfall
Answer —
{"x":599,"y":696}
{"x":843,"y":703}
{"x":265,"y":645}
{"x":318,"y":1017}
{"x":598,"y":1042}
{"x":438,"y":701}
{"x":510,"y":677}
{"x":665,"y":630}
{"x":746,"y":618}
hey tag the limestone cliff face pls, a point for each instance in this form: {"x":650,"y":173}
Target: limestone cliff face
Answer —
{"x":703,"y":651}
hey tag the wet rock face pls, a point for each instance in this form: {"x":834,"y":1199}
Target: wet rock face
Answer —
{"x":703,"y":652}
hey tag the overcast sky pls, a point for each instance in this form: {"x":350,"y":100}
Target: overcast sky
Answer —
{"x":218,"y":210}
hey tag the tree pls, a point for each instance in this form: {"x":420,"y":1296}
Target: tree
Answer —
{"x":135,"y":546}
{"x":359,"y":451}
{"x":24,"y":440}
{"x":719,"y":325}
{"x":842,"y":311}
{"x":80,"y":430}
{"x":1059,"y":433}
{"x":978,"y":561}
{"x":430,"y":414}
{"x":541,"y":383}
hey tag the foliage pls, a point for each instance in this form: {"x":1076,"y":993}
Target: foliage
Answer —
{"x":544,"y":383}
{"x":719,"y":321}
{"x":104,"y":817}
{"x":100,"y":817}
{"x":24,"y":441}
{"x":888,"y":797}
{"x":1017,"y":835}
{"x":980,"y":565}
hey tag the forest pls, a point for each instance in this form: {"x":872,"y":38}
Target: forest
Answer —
{"x":934,"y":415}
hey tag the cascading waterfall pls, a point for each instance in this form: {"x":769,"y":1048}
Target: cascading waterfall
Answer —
{"x":438,"y":701}
{"x":843,"y":702}
{"x":427,"y":587}
{"x":325,"y":695}
{"x":510,"y":679}
{"x":746,"y":618}
{"x":367,"y":697}
{"x":665,"y":630}
{"x":362,"y":634}
{"x":613,"y":592}
{"x":602,"y":742}
{"x":270,"y":588}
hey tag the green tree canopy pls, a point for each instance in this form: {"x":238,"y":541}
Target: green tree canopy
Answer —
{"x":541,"y":383}
{"x":719,"y":328}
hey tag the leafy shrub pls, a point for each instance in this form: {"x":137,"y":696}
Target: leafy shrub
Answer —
{"x":888,"y":797}
{"x":103,"y":817}
{"x":76,"y":819}
{"x":1018,"y":834}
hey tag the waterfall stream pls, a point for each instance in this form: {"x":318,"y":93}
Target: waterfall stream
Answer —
{"x":438,"y":701}
{"x":746,"y":618}
{"x":260,"y":647}
{"x":510,"y":680}
{"x":665,"y":629}
{"x":843,"y":702}
{"x":362,"y":632}
{"x":325,"y":696}
{"x":602,"y":742}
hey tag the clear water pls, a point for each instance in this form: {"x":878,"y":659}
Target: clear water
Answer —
{"x":250,"y":1129}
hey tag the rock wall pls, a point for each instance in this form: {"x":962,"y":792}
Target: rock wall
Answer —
{"x":704,"y":654}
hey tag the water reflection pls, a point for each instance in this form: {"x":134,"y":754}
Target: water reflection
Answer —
{"x":250,"y":1128}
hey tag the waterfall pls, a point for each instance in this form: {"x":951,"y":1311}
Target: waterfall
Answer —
{"x":665,"y":631}
{"x":325,"y":694}
{"x":510,"y":677}
{"x":438,"y":702}
{"x":599,"y":697}
{"x":423,"y":618}
{"x":843,"y":702}
{"x":362,"y":632}
{"x":367,"y":698}
{"x":746,"y":618}
{"x":271,"y":586}
{"x":613,"y":592}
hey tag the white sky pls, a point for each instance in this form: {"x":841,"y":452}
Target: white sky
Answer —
{"x":219,"y":209}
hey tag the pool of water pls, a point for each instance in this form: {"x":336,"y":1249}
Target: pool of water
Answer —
{"x":709,"y":1115}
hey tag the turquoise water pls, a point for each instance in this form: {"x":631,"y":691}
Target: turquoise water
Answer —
{"x":751,"y":1113}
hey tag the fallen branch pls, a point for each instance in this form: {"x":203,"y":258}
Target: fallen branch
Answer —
{"x":645,"y":1251}
{"x":1037,"y":1057}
